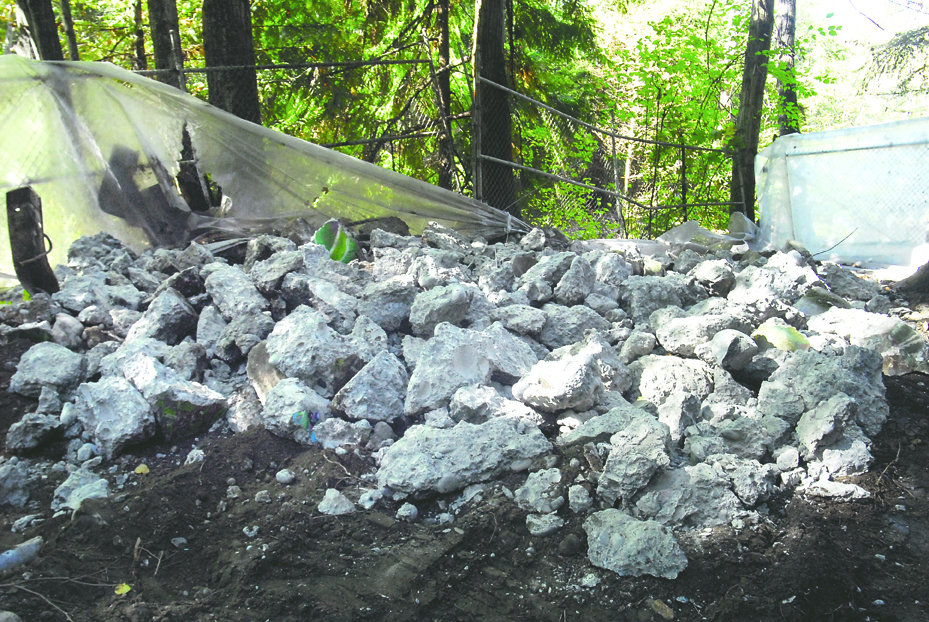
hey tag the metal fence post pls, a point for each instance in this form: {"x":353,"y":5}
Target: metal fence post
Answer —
{"x":476,"y":127}
{"x":616,"y":199}
{"x":178,"y":56}
{"x":684,"y":177}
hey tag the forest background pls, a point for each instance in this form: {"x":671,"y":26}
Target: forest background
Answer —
{"x":654,"y":76}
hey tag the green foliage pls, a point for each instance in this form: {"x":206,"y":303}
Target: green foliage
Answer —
{"x":675,"y":81}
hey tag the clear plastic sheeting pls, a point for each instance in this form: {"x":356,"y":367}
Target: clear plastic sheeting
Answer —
{"x":105,"y":150}
{"x":852,"y":195}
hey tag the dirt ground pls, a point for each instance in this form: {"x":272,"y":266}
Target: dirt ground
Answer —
{"x":807,"y":560}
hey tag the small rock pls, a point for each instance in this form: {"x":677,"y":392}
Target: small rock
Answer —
{"x":285,"y":477}
{"x":334,"y":503}
{"x":408,"y":512}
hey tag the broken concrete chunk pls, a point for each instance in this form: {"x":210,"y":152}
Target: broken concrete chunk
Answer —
{"x":834,"y":490}
{"x":636,"y":453}
{"x":242,"y":334}
{"x":731,"y":349}
{"x":716,"y":275}
{"x":412,"y":348}
{"x":388,"y":302}
{"x":428,"y":459}
{"x":637,"y":344}
{"x":579,"y":499}
{"x":67,"y":331}
{"x":657,"y":377}
{"x":477,"y":404}
{"x":612,"y":269}
{"x":210,"y":326}
{"x":112,"y":364}
{"x":819,"y":300}
{"x":521,"y":319}
{"x":576,"y":284}
{"x":115,"y":414}
{"x":601,"y":427}
{"x":632,"y":547}
{"x":785,"y":277}
{"x":572,"y":382}
{"x":439,"y":304}
{"x":262,"y":247}
{"x":233,"y":292}
{"x":282,"y":408}
{"x":456,"y":358}
{"x":902,"y":348}
{"x":848,"y":455}
{"x":15,"y":484}
{"x":367,"y":338}
{"x":47,"y":365}
{"x":698,"y":495}
{"x":339,"y":308}
{"x":30,"y":432}
{"x":182,"y":408}
{"x":375,"y":393}
{"x":542,"y":492}
{"x":824,"y":424}
{"x":752,"y":482}
{"x":303,"y":346}
{"x":566,"y":325}
{"x":335,"y":432}
{"x":678,"y":411}
{"x":434,"y":268}
{"x":541,"y":525}
{"x":334,"y":503}
{"x":268,"y":274}
{"x":744,"y":436}
{"x":681,"y":336}
{"x":846,"y":283}
{"x":807,"y":378}
{"x":81,"y":485}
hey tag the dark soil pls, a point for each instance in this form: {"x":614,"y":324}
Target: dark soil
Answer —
{"x":808,"y":560}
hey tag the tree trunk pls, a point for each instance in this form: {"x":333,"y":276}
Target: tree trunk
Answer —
{"x":227,"y":42}
{"x":751,"y":100}
{"x":499,"y":186}
{"x":162,"y":19}
{"x":139,"y":62}
{"x":786,"y":21}
{"x":68,"y":22}
{"x":446,"y":145}
{"x":43,"y":28}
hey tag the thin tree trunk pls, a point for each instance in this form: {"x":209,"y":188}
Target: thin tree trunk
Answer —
{"x":43,"y":28}
{"x":499,"y":186}
{"x":786,"y":25}
{"x":227,"y":42}
{"x":446,"y":145}
{"x":68,"y":22}
{"x":139,"y":62}
{"x":162,"y":19}
{"x":751,"y":100}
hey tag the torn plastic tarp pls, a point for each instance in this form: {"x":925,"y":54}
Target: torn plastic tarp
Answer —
{"x":853,"y":195}
{"x":104,"y":149}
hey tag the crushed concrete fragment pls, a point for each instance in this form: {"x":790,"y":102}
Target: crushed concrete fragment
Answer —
{"x":632,"y":547}
{"x":428,"y":459}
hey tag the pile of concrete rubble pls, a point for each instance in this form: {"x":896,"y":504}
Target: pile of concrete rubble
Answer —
{"x":685,"y":390}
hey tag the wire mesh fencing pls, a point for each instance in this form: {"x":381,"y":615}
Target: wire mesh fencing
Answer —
{"x":592,"y":181}
{"x":502,"y":147}
{"x":384,"y":111}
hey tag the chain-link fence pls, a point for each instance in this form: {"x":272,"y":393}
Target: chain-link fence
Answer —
{"x":384,"y":111}
{"x":493,"y":143}
{"x":591,"y":181}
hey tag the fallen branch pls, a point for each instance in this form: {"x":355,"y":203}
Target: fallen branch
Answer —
{"x":34,"y":593}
